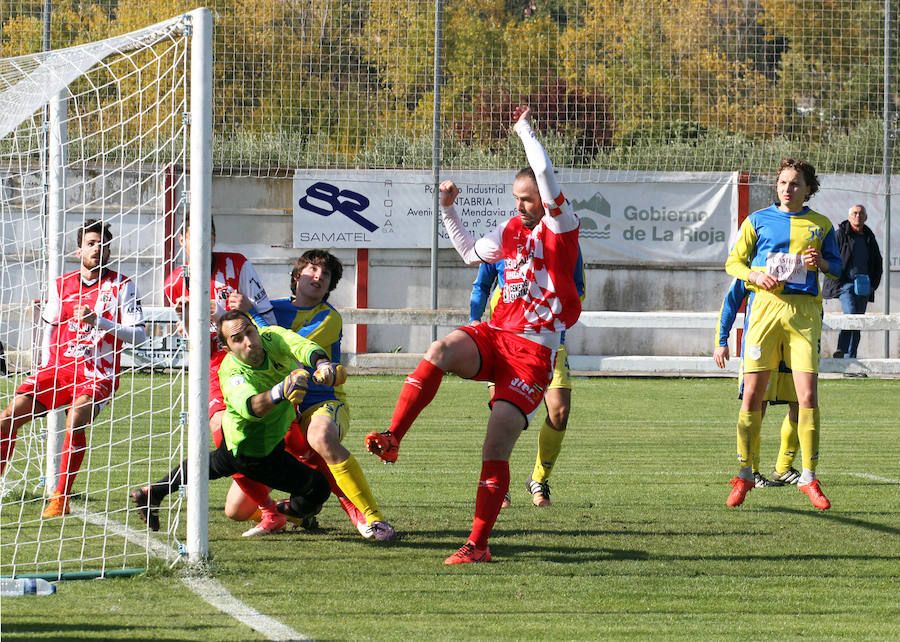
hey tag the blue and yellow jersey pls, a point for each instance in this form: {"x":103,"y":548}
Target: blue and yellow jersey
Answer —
{"x":323,"y":325}
{"x":491,"y":273}
{"x":771,"y":241}
{"x":729,"y":310}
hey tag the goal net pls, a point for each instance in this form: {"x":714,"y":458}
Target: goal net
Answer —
{"x":98,"y":131}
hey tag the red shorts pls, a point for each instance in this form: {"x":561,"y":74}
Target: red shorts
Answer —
{"x":216,"y":399}
{"x":56,"y":387}
{"x":520,"y":369}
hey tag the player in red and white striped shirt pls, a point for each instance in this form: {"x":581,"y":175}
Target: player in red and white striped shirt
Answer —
{"x":89,"y":314}
{"x":233,"y":285}
{"x":517,"y":347}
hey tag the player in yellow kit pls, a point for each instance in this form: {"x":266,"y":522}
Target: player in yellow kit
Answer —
{"x":779,"y":253}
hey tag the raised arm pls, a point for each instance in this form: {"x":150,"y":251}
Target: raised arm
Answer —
{"x":484,"y":250}
{"x":250,"y":285}
{"x":561,"y":213}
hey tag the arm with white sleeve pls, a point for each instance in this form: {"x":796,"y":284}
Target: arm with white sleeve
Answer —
{"x":130,"y":328}
{"x":562,"y":217}
{"x":50,"y":317}
{"x":487,"y":249}
{"x":251,"y":286}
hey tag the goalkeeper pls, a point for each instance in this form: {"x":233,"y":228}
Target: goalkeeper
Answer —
{"x":262,"y":379}
{"x":324,"y":414}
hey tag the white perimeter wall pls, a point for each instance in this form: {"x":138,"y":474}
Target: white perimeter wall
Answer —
{"x":254,"y":216}
{"x":260,"y":210}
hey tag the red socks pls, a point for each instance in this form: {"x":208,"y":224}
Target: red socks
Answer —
{"x":492,"y":487}
{"x":418,"y":390}
{"x":7,"y":445}
{"x":73,"y":451}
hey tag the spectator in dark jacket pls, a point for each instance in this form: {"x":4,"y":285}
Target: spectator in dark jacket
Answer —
{"x":860,"y":278}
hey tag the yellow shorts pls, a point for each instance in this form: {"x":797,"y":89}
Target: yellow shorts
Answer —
{"x":781,"y":385}
{"x":336,"y":411}
{"x":782,"y":328}
{"x":561,"y":376}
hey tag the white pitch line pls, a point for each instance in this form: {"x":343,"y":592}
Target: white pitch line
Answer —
{"x":886,"y":480}
{"x":214,"y":593}
{"x":209,"y":590}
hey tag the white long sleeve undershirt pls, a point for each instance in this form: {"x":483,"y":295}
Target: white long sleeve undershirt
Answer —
{"x":539,"y":162}
{"x":484,"y":250}
{"x":134,"y":334}
{"x":487,"y":249}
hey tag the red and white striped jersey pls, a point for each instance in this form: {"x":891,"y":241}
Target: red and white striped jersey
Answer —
{"x":539,"y":293}
{"x":231,"y":272}
{"x":76,"y":344}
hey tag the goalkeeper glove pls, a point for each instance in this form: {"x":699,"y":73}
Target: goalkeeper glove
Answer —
{"x":293,"y":388}
{"x":330,"y":374}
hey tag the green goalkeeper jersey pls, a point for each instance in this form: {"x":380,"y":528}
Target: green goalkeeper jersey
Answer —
{"x":245,"y":433}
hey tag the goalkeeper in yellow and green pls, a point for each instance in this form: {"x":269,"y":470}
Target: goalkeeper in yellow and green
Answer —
{"x":263,"y":378}
{"x":263,"y":370}
{"x":323,"y":414}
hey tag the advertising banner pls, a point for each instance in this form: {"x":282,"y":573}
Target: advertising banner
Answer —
{"x":647,"y":218}
{"x":839,"y":192}
{"x":629,"y":217}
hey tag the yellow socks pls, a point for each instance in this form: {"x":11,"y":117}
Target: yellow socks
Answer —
{"x":749,"y":426}
{"x":549,"y":445}
{"x":790,"y":442}
{"x":808,"y":434}
{"x":350,"y":478}
{"x":755,"y":437}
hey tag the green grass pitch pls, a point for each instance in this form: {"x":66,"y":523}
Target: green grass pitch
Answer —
{"x":638,"y":543}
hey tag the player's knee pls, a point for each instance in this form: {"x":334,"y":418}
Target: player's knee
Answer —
{"x":76,"y":430}
{"x":806,"y":398}
{"x":499,"y":445}
{"x":6,"y":420}
{"x":437,"y":353}
{"x":558,"y":417}
{"x":324,"y":439}
{"x":237,"y":512}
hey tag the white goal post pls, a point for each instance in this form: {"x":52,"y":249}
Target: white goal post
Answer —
{"x":119,"y":131}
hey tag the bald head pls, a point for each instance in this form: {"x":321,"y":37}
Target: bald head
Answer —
{"x":857,"y":217}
